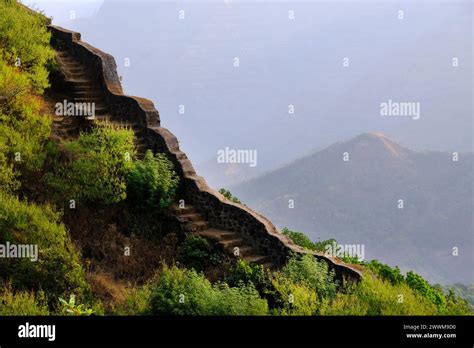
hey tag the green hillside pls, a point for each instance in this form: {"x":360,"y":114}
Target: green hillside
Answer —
{"x":100,"y":218}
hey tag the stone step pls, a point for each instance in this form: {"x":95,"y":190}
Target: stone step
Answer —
{"x":259,"y":259}
{"x":244,"y":250}
{"x":63,"y":55}
{"x":218,"y":235}
{"x":83,"y":85}
{"x":76,"y":68}
{"x":192,"y":216}
{"x":186,"y":210}
{"x":89,"y":92}
{"x":96,"y":100}
{"x":232,"y":243}
{"x":196,"y":226}
{"x":73,"y":72}
{"x":67,"y":62}
{"x":80,"y":75}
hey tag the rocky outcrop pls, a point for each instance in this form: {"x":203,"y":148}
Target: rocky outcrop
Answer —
{"x":219,"y":213}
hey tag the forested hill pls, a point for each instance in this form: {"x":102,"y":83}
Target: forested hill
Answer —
{"x":357,"y":201}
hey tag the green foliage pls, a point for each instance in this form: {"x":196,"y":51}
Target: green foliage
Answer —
{"x":23,"y":129}
{"x":373,"y":296}
{"x":185,"y":292}
{"x":137,"y":301}
{"x":392,"y":294}
{"x":421,"y":286}
{"x":244,"y":272}
{"x":102,"y":162}
{"x":302,"y":240}
{"x":464,"y":291}
{"x":72,"y":308}
{"x":315,"y":274}
{"x":456,"y":305}
{"x":152,"y":183}
{"x":195,"y":252}
{"x":8,"y":176}
{"x":229,"y":196}
{"x":294,"y":298}
{"x":386,"y":272}
{"x":57,"y":269}
{"x":22,"y":303}
{"x":23,"y":36}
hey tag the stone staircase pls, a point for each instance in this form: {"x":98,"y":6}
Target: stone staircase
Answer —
{"x":231,"y":243}
{"x":85,"y":90}
{"x":80,"y":86}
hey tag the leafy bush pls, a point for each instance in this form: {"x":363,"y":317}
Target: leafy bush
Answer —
{"x":374,"y":296}
{"x":229,"y":196}
{"x":21,"y":303}
{"x":185,"y":292}
{"x":102,"y":162}
{"x":244,"y":272}
{"x":302,"y":240}
{"x":315,"y":274}
{"x":456,"y":305}
{"x":137,"y":301}
{"x":8,"y":176}
{"x":421,"y":286}
{"x":23,"y":36}
{"x":194,"y":252}
{"x":152,"y":183}
{"x":386,"y":272}
{"x":57,"y":270}
{"x":23,"y":128}
{"x":294,"y":298}
{"x":72,"y":308}
{"x":464,"y":291}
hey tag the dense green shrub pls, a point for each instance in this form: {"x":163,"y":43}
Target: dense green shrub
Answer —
{"x":386,"y":272}
{"x":461,"y":290}
{"x":374,"y":296}
{"x":244,"y":272}
{"x":194,"y":252}
{"x":421,"y":286}
{"x":23,"y":128}
{"x":229,"y":196}
{"x":302,"y":240}
{"x":103,"y":158}
{"x":294,"y":298}
{"x":446,"y":304}
{"x":152,"y":183}
{"x":8,"y":176}
{"x":185,"y":292}
{"x":137,"y":301}
{"x":57,"y":270}
{"x":455,"y":305}
{"x":22,"y":303}
{"x":315,"y":274}
{"x":25,"y":42}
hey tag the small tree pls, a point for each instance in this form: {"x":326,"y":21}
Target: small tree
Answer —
{"x":102,"y":161}
{"x":152,"y":183}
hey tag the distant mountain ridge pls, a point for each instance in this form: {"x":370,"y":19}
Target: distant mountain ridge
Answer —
{"x":358,"y":201}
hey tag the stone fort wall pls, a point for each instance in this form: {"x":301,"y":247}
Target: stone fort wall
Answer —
{"x":217,"y":210}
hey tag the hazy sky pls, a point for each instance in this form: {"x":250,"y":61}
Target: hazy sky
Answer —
{"x":401,"y":56}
